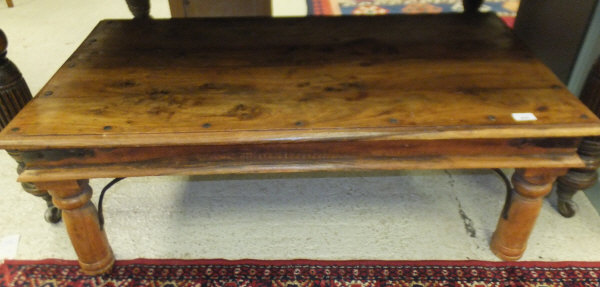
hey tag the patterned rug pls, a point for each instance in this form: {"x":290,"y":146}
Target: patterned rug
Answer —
{"x":507,"y":9}
{"x":304,"y":273}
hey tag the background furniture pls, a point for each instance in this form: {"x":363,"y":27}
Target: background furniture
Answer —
{"x":219,"y":8}
{"x":14,"y":95}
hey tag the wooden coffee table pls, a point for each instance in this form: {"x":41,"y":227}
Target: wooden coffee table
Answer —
{"x":231,"y":96}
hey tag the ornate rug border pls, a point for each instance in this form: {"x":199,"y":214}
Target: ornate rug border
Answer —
{"x":365,"y":262}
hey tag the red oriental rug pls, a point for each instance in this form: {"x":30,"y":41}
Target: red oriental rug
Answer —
{"x":303,"y":273}
{"x":506,"y":9}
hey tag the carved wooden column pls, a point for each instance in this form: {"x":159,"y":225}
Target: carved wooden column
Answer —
{"x":81,"y":220}
{"x":589,"y":151}
{"x":517,"y":220}
{"x":139,"y":8}
{"x":472,"y":6}
{"x":14,"y":95}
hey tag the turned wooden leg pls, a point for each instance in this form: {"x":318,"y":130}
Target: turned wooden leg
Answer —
{"x":472,"y":6}
{"x":81,"y":219}
{"x":518,"y":218}
{"x":9,"y":3}
{"x":139,"y":8}
{"x":589,"y":151}
{"x":52,"y":214}
{"x":579,"y":178}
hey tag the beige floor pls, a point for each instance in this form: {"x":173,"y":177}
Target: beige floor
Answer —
{"x":403,"y":215}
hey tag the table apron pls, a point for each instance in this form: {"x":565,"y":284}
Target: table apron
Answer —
{"x":61,"y":164}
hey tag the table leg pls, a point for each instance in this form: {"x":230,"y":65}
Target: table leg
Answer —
{"x":522,"y":208}
{"x":139,"y":8}
{"x":579,"y":178}
{"x":589,"y":151}
{"x":52,"y":214}
{"x":81,"y":220}
{"x":472,"y":6}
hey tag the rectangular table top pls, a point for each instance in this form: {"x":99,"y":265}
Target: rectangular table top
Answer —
{"x":217,"y":81}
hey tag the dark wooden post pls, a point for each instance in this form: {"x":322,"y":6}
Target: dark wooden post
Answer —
{"x":139,"y":8}
{"x":589,"y":151}
{"x":14,"y":95}
{"x":472,"y":6}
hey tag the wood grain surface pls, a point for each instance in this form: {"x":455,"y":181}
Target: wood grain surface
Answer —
{"x":218,"y":81}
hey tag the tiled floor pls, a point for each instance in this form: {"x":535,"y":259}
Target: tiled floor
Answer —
{"x":402,"y":215}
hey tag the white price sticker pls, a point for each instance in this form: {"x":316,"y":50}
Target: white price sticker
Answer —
{"x":524,"y":117}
